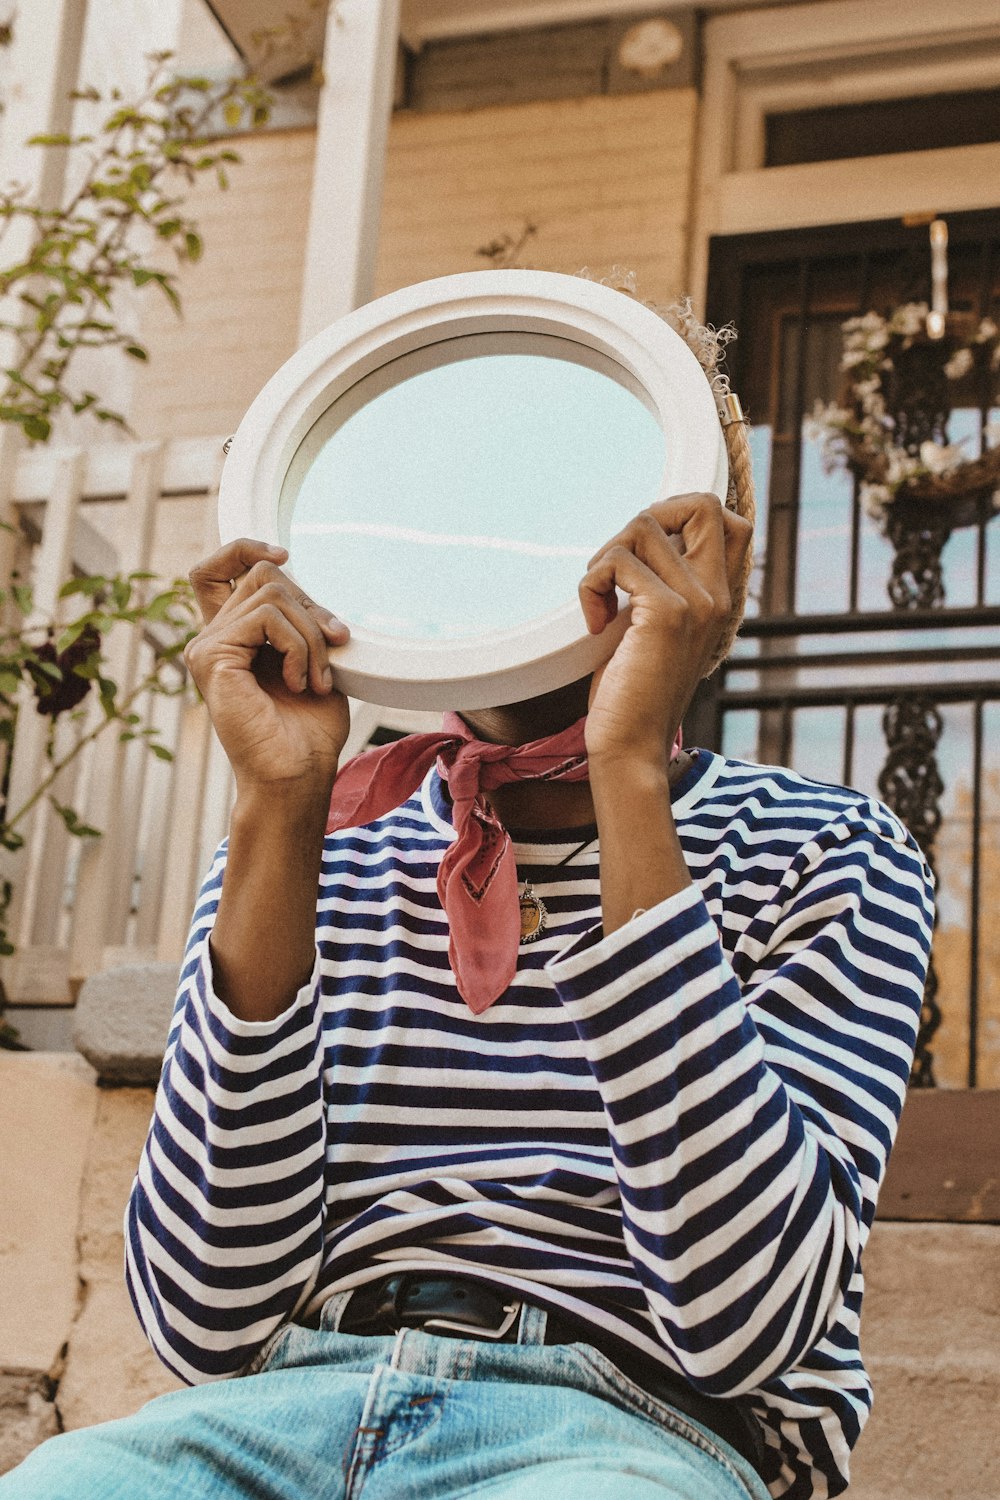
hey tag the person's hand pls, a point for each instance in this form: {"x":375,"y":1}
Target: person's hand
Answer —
{"x":261,"y":663}
{"x":679,"y":562}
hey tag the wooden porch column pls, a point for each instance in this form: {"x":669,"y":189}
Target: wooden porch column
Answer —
{"x":38,"y":70}
{"x":359,"y":64}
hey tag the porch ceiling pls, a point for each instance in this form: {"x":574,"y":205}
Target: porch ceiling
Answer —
{"x":295,"y":42}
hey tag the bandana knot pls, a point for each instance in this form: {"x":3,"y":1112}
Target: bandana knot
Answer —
{"x":477,"y":877}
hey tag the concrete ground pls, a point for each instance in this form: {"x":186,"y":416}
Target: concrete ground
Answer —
{"x":71,"y":1351}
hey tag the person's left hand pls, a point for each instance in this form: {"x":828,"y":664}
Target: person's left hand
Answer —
{"x":680,"y":562}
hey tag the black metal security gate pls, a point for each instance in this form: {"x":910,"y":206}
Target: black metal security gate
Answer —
{"x":828,"y":676}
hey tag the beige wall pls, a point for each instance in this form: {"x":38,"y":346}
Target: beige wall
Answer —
{"x":605,"y":179}
{"x":240,"y":301}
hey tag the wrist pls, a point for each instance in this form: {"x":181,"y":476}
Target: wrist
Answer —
{"x":293,"y":807}
{"x":617,"y":777}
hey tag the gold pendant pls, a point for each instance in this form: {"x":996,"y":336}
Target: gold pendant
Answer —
{"x":533,"y":914}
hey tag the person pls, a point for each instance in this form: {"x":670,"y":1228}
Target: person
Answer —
{"x":582,"y":1219}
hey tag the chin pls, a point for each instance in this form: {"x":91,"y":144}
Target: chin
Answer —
{"x":532,"y":718}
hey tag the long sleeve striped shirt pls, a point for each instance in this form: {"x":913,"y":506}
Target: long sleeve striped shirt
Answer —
{"x":675,"y":1132}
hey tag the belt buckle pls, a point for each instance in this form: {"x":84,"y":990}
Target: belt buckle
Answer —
{"x":493,"y":1335}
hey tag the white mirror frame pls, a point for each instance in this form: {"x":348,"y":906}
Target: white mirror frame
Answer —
{"x":554,"y":649}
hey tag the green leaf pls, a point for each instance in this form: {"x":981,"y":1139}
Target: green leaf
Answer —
{"x":23,"y":598}
{"x":232,"y":114}
{"x":160,"y":607}
{"x":121,"y":593}
{"x":89,"y":585}
{"x":70,"y":634}
{"x":90,"y":669}
{"x":9,"y":682}
{"x":53,"y":138}
{"x":136,"y":351}
{"x":161,"y":752}
{"x":73,"y":823}
{"x":192,"y":245}
{"x":36,"y":428}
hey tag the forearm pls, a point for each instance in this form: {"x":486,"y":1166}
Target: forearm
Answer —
{"x":224,"y":1229}
{"x":263,"y":942}
{"x":752,"y":1068}
{"x":735,"y":1221}
{"x":642,"y":862}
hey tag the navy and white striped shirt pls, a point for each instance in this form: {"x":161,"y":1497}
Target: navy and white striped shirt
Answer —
{"x":676,"y":1132}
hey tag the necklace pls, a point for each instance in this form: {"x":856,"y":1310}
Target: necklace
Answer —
{"x":534,"y":916}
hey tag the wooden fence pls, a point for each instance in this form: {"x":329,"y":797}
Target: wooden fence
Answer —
{"x":83,"y":905}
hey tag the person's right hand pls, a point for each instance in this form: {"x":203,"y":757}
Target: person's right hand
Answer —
{"x":261,"y":663}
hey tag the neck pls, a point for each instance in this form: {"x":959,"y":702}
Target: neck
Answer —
{"x":543,"y":804}
{"x":537,"y":804}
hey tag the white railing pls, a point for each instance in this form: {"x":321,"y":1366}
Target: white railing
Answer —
{"x":80,"y":906}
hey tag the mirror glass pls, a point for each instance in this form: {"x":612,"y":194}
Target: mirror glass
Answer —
{"x":461,"y":489}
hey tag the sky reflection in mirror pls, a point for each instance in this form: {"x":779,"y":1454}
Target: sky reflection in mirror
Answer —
{"x":468,"y":497}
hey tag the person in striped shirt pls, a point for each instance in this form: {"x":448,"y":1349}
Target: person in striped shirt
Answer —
{"x":591,"y":1228}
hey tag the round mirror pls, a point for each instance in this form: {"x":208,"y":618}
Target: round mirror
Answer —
{"x":459,"y":491}
{"x":442,"y":463}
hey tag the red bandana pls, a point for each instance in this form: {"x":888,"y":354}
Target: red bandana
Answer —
{"x":477,"y":877}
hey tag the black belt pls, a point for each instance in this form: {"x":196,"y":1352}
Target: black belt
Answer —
{"x":461,"y":1308}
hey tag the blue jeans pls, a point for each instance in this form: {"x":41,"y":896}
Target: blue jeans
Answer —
{"x":324,"y":1415}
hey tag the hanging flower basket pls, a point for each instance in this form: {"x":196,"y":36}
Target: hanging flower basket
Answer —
{"x":889,"y":426}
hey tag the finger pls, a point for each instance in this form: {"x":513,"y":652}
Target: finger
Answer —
{"x":698,"y":519}
{"x":675,"y":516}
{"x":694,"y":576}
{"x":617,"y":567}
{"x":270,"y":626}
{"x":266,"y":576}
{"x":260,"y":636}
{"x":211,"y":578}
{"x":316,"y":626}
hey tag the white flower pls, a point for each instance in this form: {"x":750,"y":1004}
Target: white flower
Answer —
{"x":900,"y":466}
{"x":909,"y":319}
{"x":960,"y":364}
{"x":870,"y":322}
{"x":825,"y":421}
{"x":987,"y":330}
{"x":852,"y":357}
{"x":938,"y":458}
{"x":874,"y":499}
